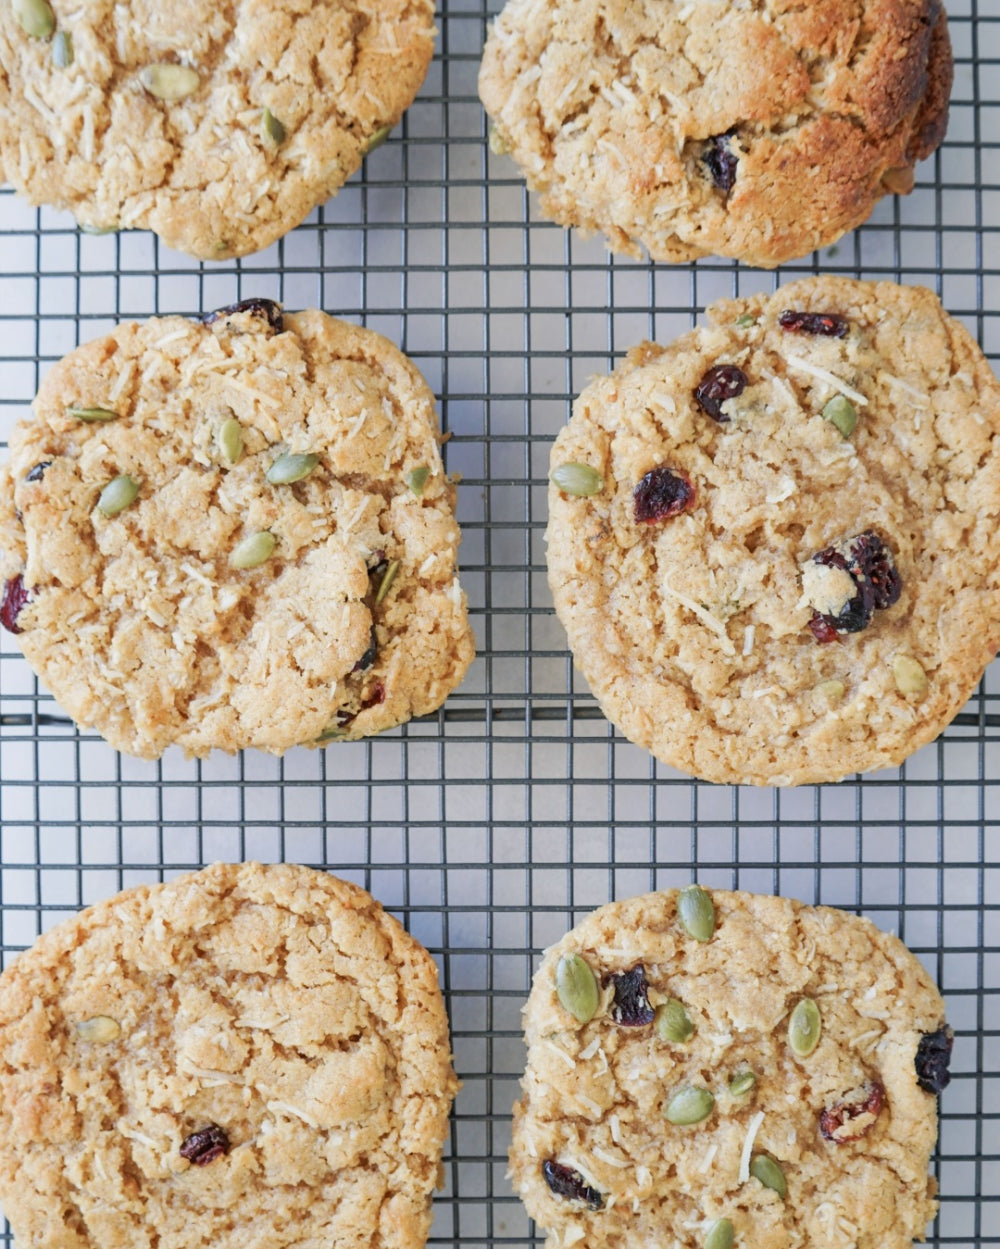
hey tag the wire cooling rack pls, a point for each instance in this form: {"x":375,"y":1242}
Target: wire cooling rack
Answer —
{"x":492,"y":826}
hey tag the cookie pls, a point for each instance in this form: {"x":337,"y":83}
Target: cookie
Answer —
{"x":234,"y":533}
{"x":653,"y":125}
{"x":719,"y":1069}
{"x":777,"y":553}
{"x":245,"y":1056}
{"x":219,"y":127}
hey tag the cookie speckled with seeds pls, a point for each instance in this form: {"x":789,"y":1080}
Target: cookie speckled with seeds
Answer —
{"x":821,"y":597}
{"x":219,"y":127}
{"x":245,"y":1056}
{"x":631,"y":1134}
{"x":228,"y":554}
{"x":759,"y":131}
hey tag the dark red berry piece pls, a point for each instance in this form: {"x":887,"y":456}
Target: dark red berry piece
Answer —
{"x":38,"y":472}
{"x":827,"y":324}
{"x":724,"y":381}
{"x":873,"y":570}
{"x":823,"y":631}
{"x":854,"y":1115}
{"x":662,"y":493}
{"x":721,"y":161}
{"x":15,"y":597}
{"x":630,"y":1007}
{"x":370,"y":655}
{"x":933,"y":1057}
{"x":375,"y":698}
{"x":565,"y":1182}
{"x":205,"y":1145}
{"x":265,"y":309}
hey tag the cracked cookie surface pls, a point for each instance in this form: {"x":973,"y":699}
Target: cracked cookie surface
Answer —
{"x":139,"y":622}
{"x":204,"y":171}
{"x":599,"y":1098}
{"x":277,"y":1011}
{"x":756,"y":130}
{"x":827,"y":601}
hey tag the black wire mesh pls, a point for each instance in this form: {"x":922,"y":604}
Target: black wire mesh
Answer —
{"x":491,"y":826}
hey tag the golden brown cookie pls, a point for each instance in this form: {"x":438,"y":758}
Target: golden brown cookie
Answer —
{"x":245,"y":1056}
{"x":234,"y":533}
{"x":727,"y":1069}
{"x":775,"y":543}
{"x":218,"y":126}
{"x":760,"y":131}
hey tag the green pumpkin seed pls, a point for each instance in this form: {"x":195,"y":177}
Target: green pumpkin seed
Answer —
{"x":498,"y":144}
{"x":388,"y":577}
{"x":229,"y":440}
{"x":770,"y":1174}
{"x":720,"y":1235}
{"x":377,"y":139}
{"x":254,"y":550}
{"x":87,"y":229}
{"x":833,"y":690}
{"x":804,"y":1028}
{"x":91,"y":415}
{"x":576,"y":987}
{"x":272,"y":129}
{"x":416,"y":479}
{"x":117,"y":495}
{"x":333,"y":732}
{"x":673,"y":1023}
{"x":62,"y":50}
{"x":696,"y":912}
{"x":577,"y":479}
{"x":690,"y":1105}
{"x":35,"y":17}
{"x":742,"y":1083}
{"x":842,"y":414}
{"x":288,"y":468}
{"x":169,"y":81}
{"x":746,"y":320}
{"x":909,"y":676}
{"x":100,"y":1029}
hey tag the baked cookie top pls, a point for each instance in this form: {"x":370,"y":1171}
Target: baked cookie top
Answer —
{"x":234,"y":533}
{"x":220,"y":127}
{"x":697,"y":1060}
{"x":760,"y":131}
{"x":781,"y":562}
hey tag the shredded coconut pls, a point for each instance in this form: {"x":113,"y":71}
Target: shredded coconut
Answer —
{"x":709,"y":1158}
{"x":796,"y":362}
{"x":748,"y":636}
{"x":294,"y":1111}
{"x":561,"y":1053}
{"x":704,"y":616}
{"x":753,"y":1127}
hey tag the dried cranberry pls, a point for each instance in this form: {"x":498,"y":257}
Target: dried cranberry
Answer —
{"x":375,"y":698}
{"x":822,"y":631}
{"x":370,"y":655}
{"x":205,"y":1145}
{"x":854,"y":1115}
{"x":630,"y":1007}
{"x":15,"y":597}
{"x":827,"y":324}
{"x":265,"y":309}
{"x":722,"y":162}
{"x":38,"y":472}
{"x":662,"y":493}
{"x":933,"y":1057}
{"x":565,"y":1182}
{"x":724,"y":381}
{"x":870,"y":564}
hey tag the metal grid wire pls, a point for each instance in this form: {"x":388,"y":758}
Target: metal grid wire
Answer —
{"x":490,"y":827}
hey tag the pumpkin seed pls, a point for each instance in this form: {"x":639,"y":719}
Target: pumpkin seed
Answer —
{"x":333,"y":732}
{"x":720,"y":1235}
{"x":833,"y":691}
{"x":909,"y":675}
{"x":416,"y":479}
{"x":498,"y":144}
{"x":841,"y":414}
{"x":746,"y":320}
{"x":92,"y":414}
{"x":770,"y":1174}
{"x":742,"y":1083}
{"x":577,"y":479}
{"x":377,"y":139}
{"x":229,"y":440}
{"x":272,"y":129}
{"x":35,"y":17}
{"x":169,"y":81}
{"x":804,"y":1028}
{"x":696,"y":913}
{"x":289,"y":467}
{"x":117,"y":495}
{"x":690,"y":1105}
{"x":253,"y":550}
{"x":88,"y":229}
{"x":100,"y":1029}
{"x":62,"y":50}
{"x":388,"y":577}
{"x":673,"y":1023}
{"x":576,"y":987}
